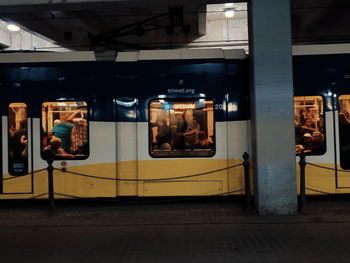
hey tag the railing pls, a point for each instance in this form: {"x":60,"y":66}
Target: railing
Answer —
{"x":51,"y":193}
{"x":246,"y":164}
{"x":302,"y":196}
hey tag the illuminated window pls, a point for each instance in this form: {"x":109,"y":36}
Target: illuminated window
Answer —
{"x":65,"y":130}
{"x":18,"y":139}
{"x":181,"y":128}
{"x":344,"y":130}
{"x":309,"y":124}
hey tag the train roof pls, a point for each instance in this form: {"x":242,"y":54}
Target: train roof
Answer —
{"x":181,"y":54}
{"x":171,"y":54}
{"x":324,"y":49}
{"x":142,"y":55}
{"x":42,"y":57}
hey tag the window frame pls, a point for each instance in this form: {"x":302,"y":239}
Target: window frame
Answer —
{"x":8,"y":139}
{"x":180,"y":99}
{"x":325,"y":123}
{"x":88,"y":107}
{"x":338,"y":133}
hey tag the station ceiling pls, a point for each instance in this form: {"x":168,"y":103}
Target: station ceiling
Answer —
{"x":132,"y":24}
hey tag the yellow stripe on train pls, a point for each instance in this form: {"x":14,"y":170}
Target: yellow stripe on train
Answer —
{"x":216,"y":183}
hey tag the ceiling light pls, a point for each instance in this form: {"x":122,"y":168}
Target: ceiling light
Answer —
{"x":13,"y":27}
{"x":229,"y":13}
{"x":229,"y":5}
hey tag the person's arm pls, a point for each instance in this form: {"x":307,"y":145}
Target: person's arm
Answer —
{"x":63,"y":154}
{"x":23,"y":139}
{"x":154,"y":124}
{"x":308,"y":128}
{"x":74,"y":115}
{"x":66,"y":155}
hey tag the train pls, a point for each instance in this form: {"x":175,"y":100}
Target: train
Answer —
{"x":158,"y":123}
{"x":321,"y":86}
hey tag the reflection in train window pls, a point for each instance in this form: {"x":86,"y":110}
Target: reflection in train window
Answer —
{"x":181,"y":128}
{"x":344,"y":130}
{"x":65,"y":133}
{"x":309,"y":124}
{"x":17,"y":139}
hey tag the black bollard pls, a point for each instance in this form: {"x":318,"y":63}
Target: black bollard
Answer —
{"x":246,"y":163}
{"x":302,"y":164}
{"x":50,"y":186}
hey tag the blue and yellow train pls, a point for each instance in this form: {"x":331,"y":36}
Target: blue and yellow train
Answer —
{"x":178,"y":116}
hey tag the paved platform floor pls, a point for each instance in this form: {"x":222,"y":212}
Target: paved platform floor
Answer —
{"x":172,"y":230}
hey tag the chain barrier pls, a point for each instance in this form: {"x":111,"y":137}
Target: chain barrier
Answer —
{"x":325,"y":168}
{"x":303,"y":188}
{"x":37,"y":196}
{"x":130,"y":180}
{"x":319,"y":191}
{"x":153,"y":179}
{"x":51,"y":192}
{"x":15,"y":177}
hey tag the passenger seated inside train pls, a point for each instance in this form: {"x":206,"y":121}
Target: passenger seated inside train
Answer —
{"x":317,"y":145}
{"x":203,"y":142}
{"x":72,"y":130}
{"x":313,"y":143}
{"x":180,"y":143}
{"x":63,"y":131}
{"x":54,"y":151}
{"x":18,"y":143}
{"x":181,"y":127}
{"x":309,"y":125}
{"x":66,"y":121}
{"x":162,"y":128}
{"x":17,"y":139}
{"x":162,"y":144}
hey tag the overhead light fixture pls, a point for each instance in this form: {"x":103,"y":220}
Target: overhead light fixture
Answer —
{"x":229,"y":10}
{"x":229,"y":13}
{"x":13,"y":28}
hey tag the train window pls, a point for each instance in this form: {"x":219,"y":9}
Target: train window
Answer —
{"x":309,"y":125}
{"x":17,"y":139}
{"x":64,"y":132}
{"x":181,"y":128}
{"x":344,"y":130}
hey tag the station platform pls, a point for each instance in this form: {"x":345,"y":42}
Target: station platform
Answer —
{"x":172,"y":230}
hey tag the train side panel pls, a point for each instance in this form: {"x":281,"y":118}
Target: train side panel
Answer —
{"x":325,"y":75}
{"x":119,"y":137}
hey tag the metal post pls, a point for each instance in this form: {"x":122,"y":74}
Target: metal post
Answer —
{"x":246,"y":163}
{"x":302,"y":164}
{"x":50,"y":169}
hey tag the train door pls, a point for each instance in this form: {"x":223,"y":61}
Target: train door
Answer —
{"x":342,"y":128}
{"x":183,"y":147}
{"x":315,"y":135}
{"x":17,"y":150}
{"x":126,"y":146}
{"x":82,"y":145}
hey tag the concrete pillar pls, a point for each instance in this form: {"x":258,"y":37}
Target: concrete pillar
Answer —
{"x":272,"y":106}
